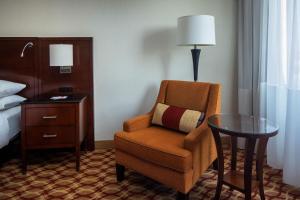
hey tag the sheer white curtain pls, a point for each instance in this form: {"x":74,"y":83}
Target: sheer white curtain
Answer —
{"x":280,"y":84}
{"x":269,"y":75}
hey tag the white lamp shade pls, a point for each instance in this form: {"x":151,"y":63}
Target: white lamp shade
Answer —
{"x":61,"y":54}
{"x":196,"y":30}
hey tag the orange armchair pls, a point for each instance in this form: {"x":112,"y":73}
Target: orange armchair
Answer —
{"x":172,"y":158}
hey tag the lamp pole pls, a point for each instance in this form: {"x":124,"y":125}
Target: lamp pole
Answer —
{"x":195,"y":56}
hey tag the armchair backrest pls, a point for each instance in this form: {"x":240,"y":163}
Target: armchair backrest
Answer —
{"x":204,"y":97}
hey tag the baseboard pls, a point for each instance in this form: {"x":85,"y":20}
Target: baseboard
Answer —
{"x":104,"y":144}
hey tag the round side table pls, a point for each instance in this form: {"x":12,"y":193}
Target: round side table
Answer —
{"x":252,"y":129}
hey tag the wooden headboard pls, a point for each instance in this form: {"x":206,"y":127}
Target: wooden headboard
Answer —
{"x":33,"y":69}
{"x":17,"y":69}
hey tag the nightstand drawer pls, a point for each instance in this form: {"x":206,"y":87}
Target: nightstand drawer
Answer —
{"x":40,"y":116}
{"x":47,"y":137}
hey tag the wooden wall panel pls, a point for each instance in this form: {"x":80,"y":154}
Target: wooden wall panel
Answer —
{"x":81,"y":78}
{"x":41,"y":79}
{"x":14,"y":68}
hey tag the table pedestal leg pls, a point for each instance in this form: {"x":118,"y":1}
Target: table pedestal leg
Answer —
{"x":249,"y":151}
{"x":260,"y":164}
{"x":220,"y":163}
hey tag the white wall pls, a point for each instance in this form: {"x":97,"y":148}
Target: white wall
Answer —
{"x":134,"y":47}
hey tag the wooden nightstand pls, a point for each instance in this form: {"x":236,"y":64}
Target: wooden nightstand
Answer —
{"x":53,"y":124}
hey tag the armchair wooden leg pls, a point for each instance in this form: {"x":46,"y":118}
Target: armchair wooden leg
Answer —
{"x":182,"y":196}
{"x":120,"y":171}
{"x":215,"y":164}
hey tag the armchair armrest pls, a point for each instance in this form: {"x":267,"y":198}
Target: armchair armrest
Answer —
{"x":201,"y":143}
{"x":193,"y":138}
{"x":136,"y":123}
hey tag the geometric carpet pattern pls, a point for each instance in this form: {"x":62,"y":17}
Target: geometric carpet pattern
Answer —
{"x":53,"y":176}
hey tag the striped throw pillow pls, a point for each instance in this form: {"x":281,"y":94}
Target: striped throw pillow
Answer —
{"x":176,"y":118}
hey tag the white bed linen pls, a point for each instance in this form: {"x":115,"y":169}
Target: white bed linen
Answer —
{"x":10,"y":124}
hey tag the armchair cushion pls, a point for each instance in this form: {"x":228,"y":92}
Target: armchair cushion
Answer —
{"x":156,"y":145}
{"x":176,"y":118}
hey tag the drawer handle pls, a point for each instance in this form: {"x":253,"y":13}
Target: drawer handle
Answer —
{"x":50,"y":117}
{"x":49,"y":135}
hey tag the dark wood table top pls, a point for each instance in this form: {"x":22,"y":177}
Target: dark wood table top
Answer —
{"x":243,"y":125}
{"x":45,"y":99}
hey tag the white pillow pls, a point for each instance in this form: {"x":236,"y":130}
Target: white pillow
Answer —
{"x":10,"y":101}
{"x":8,"y":88}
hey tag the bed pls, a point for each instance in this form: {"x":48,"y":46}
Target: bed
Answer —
{"x":10,"y":123}
{"x":20,"y":70}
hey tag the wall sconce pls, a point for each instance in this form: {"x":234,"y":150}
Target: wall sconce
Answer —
{"x":27,"y":45}
{"x":61,"y":55}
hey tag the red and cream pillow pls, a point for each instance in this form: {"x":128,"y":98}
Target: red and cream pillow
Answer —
{"x":177,"y":118}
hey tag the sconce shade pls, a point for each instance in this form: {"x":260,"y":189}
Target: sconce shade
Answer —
{"x":196,"y":30}
{"x":61,"y":54}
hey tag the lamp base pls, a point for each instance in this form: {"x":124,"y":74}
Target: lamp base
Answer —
{"x":195,"y":56}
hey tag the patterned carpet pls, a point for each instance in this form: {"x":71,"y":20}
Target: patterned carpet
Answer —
{"x":52,"y":176}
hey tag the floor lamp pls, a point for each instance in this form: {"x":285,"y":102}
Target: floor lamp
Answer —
{"x":196,"y":30}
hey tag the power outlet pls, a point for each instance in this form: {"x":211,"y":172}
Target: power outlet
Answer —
{"x":65,"y":70}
